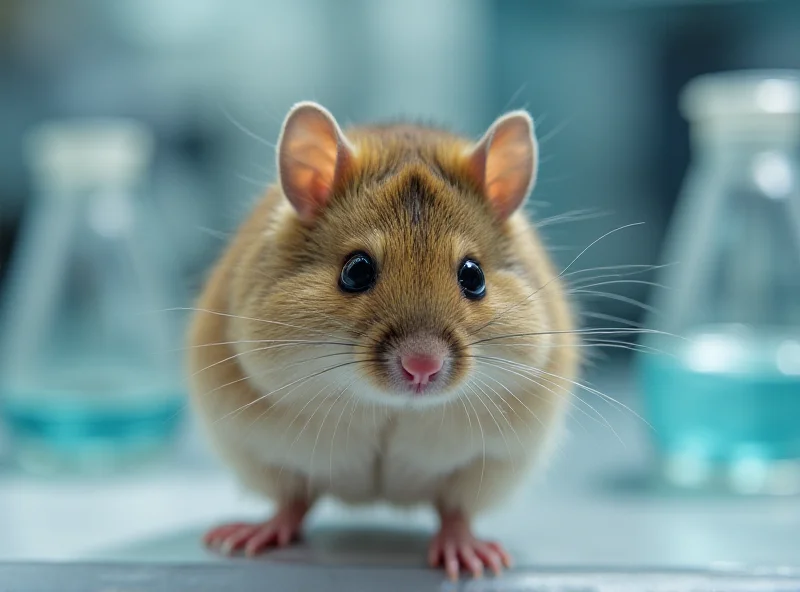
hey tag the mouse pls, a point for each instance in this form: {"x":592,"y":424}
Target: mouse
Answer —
{"x":386,"y":326}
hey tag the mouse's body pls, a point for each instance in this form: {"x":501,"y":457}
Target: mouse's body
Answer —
{"x":386,"y":325}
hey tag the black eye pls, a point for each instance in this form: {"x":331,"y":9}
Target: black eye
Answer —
{"x":358,"y":274}
{"x":471,"y":279}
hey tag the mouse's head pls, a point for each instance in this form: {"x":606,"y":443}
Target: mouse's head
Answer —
{"x":396,"y":256}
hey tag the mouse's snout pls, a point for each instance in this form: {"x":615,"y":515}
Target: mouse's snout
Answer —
{"x":419,"y":363}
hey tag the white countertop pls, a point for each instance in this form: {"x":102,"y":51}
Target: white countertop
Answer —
{"x":591,"y":509}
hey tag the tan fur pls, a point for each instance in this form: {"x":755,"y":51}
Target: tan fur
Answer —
{"x":345,"y":432}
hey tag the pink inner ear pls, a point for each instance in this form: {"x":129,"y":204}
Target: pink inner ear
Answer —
{"x":309,"y":154}
{"x":506,"y":157}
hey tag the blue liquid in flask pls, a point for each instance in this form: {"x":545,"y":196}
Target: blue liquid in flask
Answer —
{"x":93,"y":422}
{"x":725,"y":409}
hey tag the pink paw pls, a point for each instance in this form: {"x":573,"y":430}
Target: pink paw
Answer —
{"x":455,"y":547}
{"x":253,"y":539}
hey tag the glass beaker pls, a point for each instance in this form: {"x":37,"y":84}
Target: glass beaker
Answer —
{"x":723,"y":394}
{"x":90,"y":371}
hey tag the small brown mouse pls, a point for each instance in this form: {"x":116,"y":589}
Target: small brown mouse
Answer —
{"x":385,"y":325}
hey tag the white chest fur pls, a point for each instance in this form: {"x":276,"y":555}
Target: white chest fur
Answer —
{"x":360,"y":453}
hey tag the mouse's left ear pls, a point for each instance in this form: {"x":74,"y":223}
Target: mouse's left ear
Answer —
{"x":313,"y":155}
{"x":504,"y":162}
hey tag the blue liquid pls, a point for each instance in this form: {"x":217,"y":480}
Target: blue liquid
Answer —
{"x":74,"y":432}
{"x":722,"y":417}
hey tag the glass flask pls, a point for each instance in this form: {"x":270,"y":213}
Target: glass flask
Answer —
{"x":723,"y":391}
{"x":89,"y":369}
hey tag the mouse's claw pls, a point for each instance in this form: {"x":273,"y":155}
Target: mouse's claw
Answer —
{"x":455,"y":547}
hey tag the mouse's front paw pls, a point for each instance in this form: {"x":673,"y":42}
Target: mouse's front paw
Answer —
{"x":253,"y":539}
{"x":455,"y":547}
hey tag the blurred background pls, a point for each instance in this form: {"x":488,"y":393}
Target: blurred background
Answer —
{"x":601,"y":78}
{"x":212,"y":81}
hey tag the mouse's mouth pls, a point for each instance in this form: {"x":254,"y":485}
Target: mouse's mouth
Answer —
{"x":417,"y":365}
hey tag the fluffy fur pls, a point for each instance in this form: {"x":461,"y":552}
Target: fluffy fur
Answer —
{"x":294,"y":378}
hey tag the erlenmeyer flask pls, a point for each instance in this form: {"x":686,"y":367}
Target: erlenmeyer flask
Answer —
{"x":90,"y":372}
{"x":724,"y":395}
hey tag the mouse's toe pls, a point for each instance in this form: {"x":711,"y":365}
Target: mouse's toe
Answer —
{"x":278,"y":531}
{"x":455,"y":547}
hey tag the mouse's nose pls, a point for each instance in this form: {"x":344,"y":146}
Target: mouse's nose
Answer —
{"x":420,"y":369}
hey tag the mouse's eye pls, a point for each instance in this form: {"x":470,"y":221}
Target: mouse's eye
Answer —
{"x":358,"y":273}
{"x":471,"y":280}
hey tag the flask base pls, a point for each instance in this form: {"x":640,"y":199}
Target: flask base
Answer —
{"x":723,"y":431}
{"x":747,"y":476}
{"x":56,"y":435}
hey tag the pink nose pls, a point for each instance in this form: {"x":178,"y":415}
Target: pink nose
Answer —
{"x":420,"y":369}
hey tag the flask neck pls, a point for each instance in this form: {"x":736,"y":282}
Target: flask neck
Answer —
{"x":730,"y":148}
{"x":767,"y":164}
{"x":746,"y":134}
{"x":80,"y":190}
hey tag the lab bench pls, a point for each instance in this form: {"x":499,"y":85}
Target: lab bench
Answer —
{"x":594,"y":508}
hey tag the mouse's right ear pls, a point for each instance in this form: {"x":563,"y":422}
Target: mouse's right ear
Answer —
{"x":313,"y":154}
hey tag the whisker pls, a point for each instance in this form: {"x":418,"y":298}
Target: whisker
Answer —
{"x":310,"y":472}
{"x":333,"y":436}
{"x":554,"y":132}
{"x":305,"y":378}
{"x":469,"y":419}
{"x":634,"y":347}
{"x":620,"y":298}
{"x":636,"y":268}
{"x":349,"y":424}
{"x":612,"y":282}
{"x":496,"y":423}
{"x":328,"y":318}
{"x":514,"y":97}
{"x":269,"y":171}
{"x":608,"y":398}
{"x":324,"y":388}
{"x":249,"y":133}
{"x":573,"y":216}
{"x":321,"y":426}
{"x":283,"y":367}
{"x":252,"y":181}
{"x":375,"y":419}
{"x":589,"y":343}
{"x":536,"y":417}
{"x":302,"y":409}
{"x":308,"y":422}
{"x":604,"y":346}
{"x":261,"y":349}
{"x":276,"y":285}
{"x":607,"y":317}
{"x":483,"y":444}
{"x":565,"y":396}
{"x":594,"y":242}
{"x":252,"y":341}
{"x":244,"y":318}
{"x":214,"y":233}
{"x":502,"y":413}
{"x":560,"y":275}
{"x":622,"y":331}
{"x":289,"y":392}
{"x":588,"y":331}
{"x":246,"y":131}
